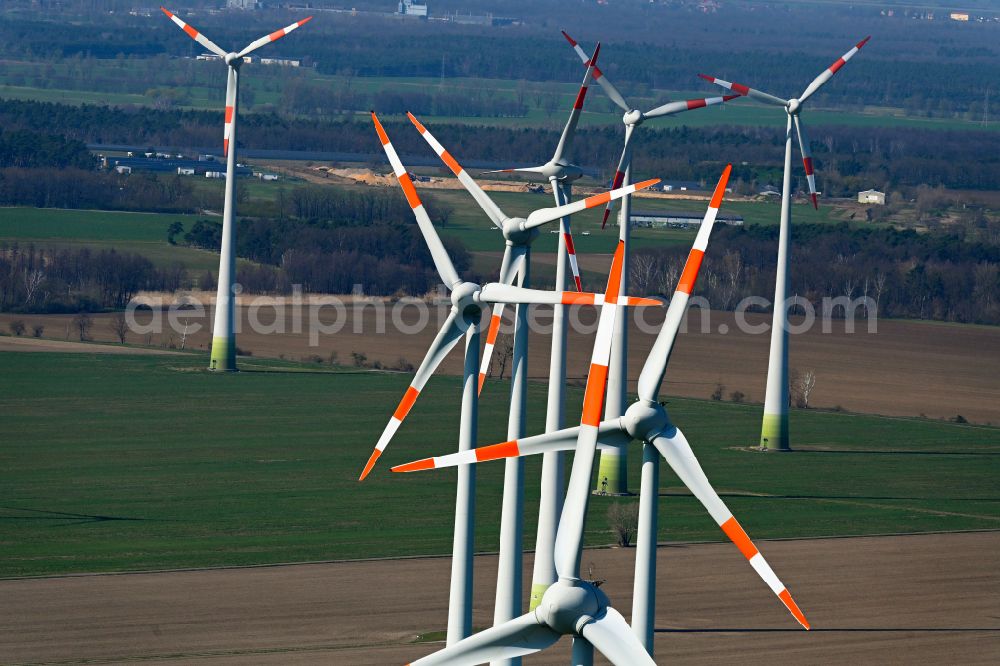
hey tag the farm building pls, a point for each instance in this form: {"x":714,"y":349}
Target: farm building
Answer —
{"x":412,"y":8}
{"x":678,"y":219}
{"x":872,"y":197}
{"x":682,"y":186}
{"x":179,"y":166}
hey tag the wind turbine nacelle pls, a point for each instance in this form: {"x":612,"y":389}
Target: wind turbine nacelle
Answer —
{"x":516,"y":234}
{"x":794,"y":105}
{"x":569,"y":604}
{"x":233,"y":59}
{"x":643,"y":420}
{"x":633,"y":117}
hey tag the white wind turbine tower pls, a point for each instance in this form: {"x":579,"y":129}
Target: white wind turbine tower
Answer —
{"x":468,"y":301}
{"x":561,"y":173}
{"x":224,"y":333}
{"x":518,"y":234}
{"x":774,"y":429}
{"x":572,"y":606}
{"x":613,"y":461}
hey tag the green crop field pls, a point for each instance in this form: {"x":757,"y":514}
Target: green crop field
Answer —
{"x":131,"y":463}
{"x":143,"y":233}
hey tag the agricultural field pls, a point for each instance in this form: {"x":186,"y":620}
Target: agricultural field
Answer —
{"x":134,"y":463}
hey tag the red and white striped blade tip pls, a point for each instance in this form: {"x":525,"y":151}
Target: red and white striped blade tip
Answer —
{"x":568,"y":38}
{"x":593,"y":58}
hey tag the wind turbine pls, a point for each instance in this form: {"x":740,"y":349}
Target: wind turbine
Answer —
{"x":774,"y":429}
{"x":518,"y":235}
{"x":561,"y":173}
{"x":224,"y":333}
{"x":647,"y":421}
{"x":468,"y":300}
{"x":613,"y":461}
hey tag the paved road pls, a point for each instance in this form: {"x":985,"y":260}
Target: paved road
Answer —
{"x":871,"y":600}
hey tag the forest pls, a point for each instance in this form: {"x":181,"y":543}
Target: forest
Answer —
{"x":906,"y":274}
{"x":847,"y":159}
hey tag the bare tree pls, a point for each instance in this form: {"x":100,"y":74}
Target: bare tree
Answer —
{"x":643,"y":273}
{"x":17,"y":327}
{"x":801,"y":386}
{"x":32,"y":280}
{"x":82,"y":323}
{"x":119,"y":326}
{"x":623,"y":519}
{"x":502,"y":353}
{"x":732,"y":264}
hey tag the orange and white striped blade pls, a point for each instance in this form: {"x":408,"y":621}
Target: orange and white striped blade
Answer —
{"x":623,"y":164}
{"x":807,"y":159}
{"x":491,"y":340}
{"x":276,"y":35}
{"x":444,"y":342}
{"x":566,"y":139}
{"x":194,"y":34}
{"x":545,"y":215}
{"x":828,"y":73}
{"x":602,"y":80}
{"x":569,"y":537}
{"x":438,"y":252}
{"x":510,"y":266}
{"x":485,"y":202}
{"x":741,"y":89}
{"x":677,"y":452}
{"x":496,"y":292}
{"x":227,"y":133}
{"x":659,"y":356}
{"x":673,"y":108}
{"x":610,"y":434}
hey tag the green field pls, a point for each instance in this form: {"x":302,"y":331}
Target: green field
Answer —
{"x":130,"y":463}
{"x":143,"y":233}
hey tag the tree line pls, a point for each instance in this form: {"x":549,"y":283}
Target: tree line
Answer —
{"x":848,"y":159}
{"x":37,"y":279}
{"x":906,"y":274}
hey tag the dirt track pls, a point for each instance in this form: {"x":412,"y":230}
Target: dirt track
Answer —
{"x":872,"y":600}
{"x":44,"y":345}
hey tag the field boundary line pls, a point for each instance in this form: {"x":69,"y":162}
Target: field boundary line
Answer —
{"x":660,"y":544}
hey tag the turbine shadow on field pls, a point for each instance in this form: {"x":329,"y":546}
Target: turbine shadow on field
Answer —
{"x":65,"y":516}
{"x":796,"y":630}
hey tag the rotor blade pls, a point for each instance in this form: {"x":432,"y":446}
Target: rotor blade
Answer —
{"x":672,"y":108}
{"x":194,"y":34}
{"x":447,"y":337}
{"x":515,"y":638}
{"x":675,"y":449}
{"x":438,"y":252}
{"x":276,"y":35}
{"x":820,"y":80}
{"x":623,"y":164}
{"x":562,"y":191}
{"x":611,"y":635}
{"x":609,"y":434}
{"x":569,"y":536}
{"x":519,"y":170}
{"x":510,"y":265}
{"x":659,"y":356}
{"x":745,"y":90}
{"x":483,"y":199}
{"x":807,"y":159}
{"x":227,"y":131}
{"x":495,"y":292}
{"x":544,"y":215}
{"x":574,"y":116}
{"x":609,"y":89}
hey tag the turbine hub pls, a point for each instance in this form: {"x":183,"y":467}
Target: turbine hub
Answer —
{"x":465,"y":299}
{"x":633,"y":117}
{"x":514,"y":232}
{"x":645,"y":419}
{"x":793,"y":106}
{"x":233,"y":60}
{"x":569,"y":601}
